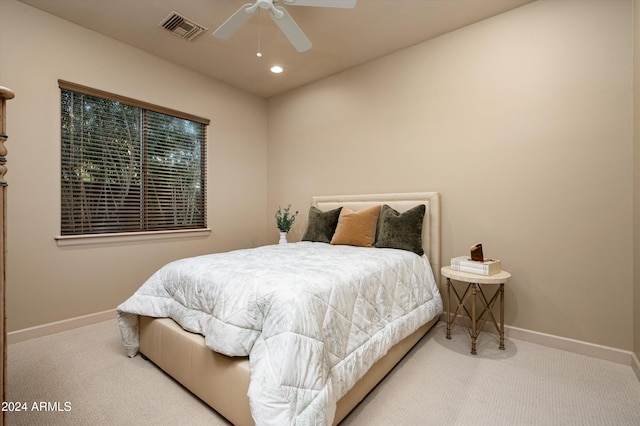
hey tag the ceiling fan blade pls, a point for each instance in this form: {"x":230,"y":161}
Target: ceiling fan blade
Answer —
{"x":291,"y":30}
{"x":235,"y":21}
{"x":343,"y":4}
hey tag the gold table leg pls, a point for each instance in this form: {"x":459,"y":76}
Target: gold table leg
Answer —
{"x":474,"y":331}
{"x":488,"y":311}
{"x":501,"y":290}
{"x":461,"y":302}
{"x":448,"y":309}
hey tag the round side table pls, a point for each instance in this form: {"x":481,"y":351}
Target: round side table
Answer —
{"x":474,"y":292}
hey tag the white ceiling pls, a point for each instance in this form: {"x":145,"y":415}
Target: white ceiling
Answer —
{"x":342,"y":38}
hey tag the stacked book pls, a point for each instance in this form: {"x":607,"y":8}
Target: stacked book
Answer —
{"x":465,"y":264}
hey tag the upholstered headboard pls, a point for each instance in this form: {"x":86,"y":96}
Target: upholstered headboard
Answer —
{"x":400,"y":202}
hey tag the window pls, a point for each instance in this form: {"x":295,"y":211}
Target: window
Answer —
{"x":128,"y":166}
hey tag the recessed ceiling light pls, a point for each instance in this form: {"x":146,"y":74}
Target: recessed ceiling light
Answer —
{"x":276,"y":69}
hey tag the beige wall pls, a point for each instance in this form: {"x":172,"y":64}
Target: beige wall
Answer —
{"x":523,"y":123}
{"x":46,"y":283}
{"x":636,"y":179}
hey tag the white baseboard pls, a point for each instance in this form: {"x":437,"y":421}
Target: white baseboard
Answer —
{"x":635,"y":365}
{"x":58,"y":326}
{"x":570,"y":345}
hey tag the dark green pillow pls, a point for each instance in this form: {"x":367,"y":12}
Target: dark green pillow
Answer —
{"x":322,"y":225}
{"x":401,"y":230}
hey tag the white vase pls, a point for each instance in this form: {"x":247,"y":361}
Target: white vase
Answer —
{"x":283,"y":238}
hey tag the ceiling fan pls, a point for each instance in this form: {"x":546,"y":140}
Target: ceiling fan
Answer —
{"x":280,"y":16}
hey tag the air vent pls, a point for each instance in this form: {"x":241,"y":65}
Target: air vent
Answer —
{"x":182,"y":27}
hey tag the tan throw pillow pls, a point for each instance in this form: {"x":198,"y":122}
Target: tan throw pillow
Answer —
{"x":357,"y":228}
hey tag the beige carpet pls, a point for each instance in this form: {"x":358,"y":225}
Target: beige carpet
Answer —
{"x":438,"y":383}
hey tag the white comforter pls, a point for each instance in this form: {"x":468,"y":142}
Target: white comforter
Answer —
{"x":312,"y":317}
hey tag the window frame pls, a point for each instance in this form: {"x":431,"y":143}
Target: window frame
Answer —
{"x":126,"y":236}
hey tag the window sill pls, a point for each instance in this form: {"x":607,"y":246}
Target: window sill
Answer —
{"x":79,"y":240}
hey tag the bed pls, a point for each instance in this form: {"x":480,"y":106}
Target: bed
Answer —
{"x":292,"y":369}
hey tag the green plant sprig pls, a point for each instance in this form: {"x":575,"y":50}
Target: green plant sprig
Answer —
{"x":284,"y":219}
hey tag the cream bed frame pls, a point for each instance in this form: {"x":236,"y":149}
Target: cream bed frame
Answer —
{"x":222,"y":382}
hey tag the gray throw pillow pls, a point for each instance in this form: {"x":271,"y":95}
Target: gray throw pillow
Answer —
{"x":401,"y":230}
{"x":322,"y":225}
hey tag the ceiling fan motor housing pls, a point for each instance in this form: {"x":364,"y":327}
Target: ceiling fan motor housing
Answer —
{"x":265,"y":4}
